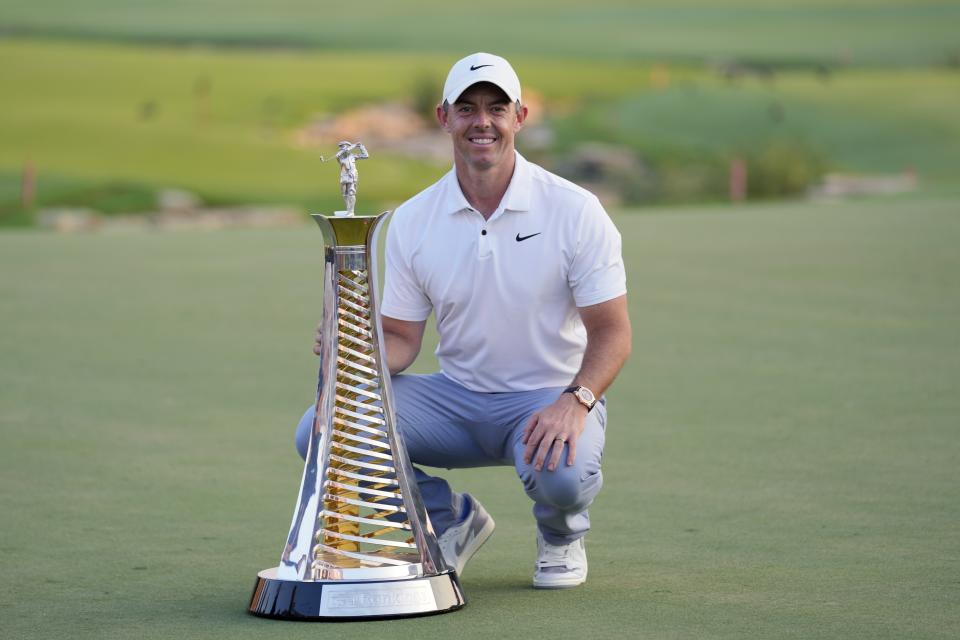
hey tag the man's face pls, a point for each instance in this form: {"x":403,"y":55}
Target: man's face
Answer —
{"x":482,"y":123}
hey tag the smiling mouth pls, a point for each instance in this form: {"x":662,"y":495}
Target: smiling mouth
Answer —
{"x":483,"y":141}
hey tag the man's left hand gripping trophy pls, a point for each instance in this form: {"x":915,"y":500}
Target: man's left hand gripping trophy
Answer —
{"x":348,"y":171}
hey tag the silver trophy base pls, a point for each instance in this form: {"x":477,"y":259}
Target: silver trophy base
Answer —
{"x":345,"y":600}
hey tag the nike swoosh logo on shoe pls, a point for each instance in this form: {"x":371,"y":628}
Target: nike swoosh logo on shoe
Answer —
{"x":475,"y":527}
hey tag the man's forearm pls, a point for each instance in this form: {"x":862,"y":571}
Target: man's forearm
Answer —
{"x":402,"y":340}
{"x":609,"y":338}
{"x":400,"y":353}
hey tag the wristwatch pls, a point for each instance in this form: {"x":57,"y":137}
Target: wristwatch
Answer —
{"x":583,"y":395}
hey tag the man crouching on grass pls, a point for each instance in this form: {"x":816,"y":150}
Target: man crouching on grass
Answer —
{"x":524,"y":273}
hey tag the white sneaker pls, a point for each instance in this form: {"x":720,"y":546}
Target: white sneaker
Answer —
{"x":559,"y":566}
{"x":462,"y":540}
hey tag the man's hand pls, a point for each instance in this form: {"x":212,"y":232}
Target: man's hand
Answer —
{"x":318,"y":339}
{"x":549,"y":428}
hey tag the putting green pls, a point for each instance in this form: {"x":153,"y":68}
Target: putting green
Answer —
{"x":781,"y":456}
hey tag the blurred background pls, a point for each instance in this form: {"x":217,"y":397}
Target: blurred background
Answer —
{"x":115,"y":107}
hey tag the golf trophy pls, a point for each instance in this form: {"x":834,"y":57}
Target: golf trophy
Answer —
{"x":360,"y":545}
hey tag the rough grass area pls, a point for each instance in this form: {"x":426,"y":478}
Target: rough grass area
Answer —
{"x":781,"y":458}
{"x":794,"y":32}
{"x":222,"y":123}
{"x":882,"y":121}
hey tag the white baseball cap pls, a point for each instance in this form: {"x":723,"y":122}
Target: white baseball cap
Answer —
{"x":481,"y":67}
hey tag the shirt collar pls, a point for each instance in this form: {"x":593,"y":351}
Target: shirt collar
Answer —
{"x":516,"y":198}
{"x":453,"y":200}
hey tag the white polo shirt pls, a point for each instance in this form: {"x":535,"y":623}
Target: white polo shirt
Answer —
{"x":505,"y":290}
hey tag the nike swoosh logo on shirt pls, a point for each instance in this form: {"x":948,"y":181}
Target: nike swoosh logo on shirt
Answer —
{"x":522,"y":238}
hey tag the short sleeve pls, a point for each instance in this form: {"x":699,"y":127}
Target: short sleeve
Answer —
{"x":597,"y":273}
{"x":403,"y":297}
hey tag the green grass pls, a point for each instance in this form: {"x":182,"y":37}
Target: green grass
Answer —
{"x":781,"y":458}
{"x":811,"y":31}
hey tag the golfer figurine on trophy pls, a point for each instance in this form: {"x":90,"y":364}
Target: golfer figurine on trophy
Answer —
{"x":348,"y":172}
{"x":360,"y":545}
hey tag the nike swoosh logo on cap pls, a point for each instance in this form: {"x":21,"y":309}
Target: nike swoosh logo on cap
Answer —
{"x":479,"y":66}
{"x":522,"y":238}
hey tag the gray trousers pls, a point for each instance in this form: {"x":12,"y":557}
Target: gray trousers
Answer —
{"x":446,"y":425}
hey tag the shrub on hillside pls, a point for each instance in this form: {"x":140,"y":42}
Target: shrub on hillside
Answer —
{"x":777,"y":169}
{"x":782,"y":168}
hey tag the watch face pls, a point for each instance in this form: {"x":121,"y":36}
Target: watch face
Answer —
{"x":585,"y":395}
